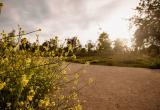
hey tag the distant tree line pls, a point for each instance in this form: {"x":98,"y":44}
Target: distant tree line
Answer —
{"x":103,"y":46}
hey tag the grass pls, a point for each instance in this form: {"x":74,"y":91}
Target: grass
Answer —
{"x":121,"y":60}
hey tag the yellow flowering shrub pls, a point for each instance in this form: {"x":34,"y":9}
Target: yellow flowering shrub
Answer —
{"x":30,"y":81}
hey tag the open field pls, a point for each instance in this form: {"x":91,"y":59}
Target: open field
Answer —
{"x":120,"y":88}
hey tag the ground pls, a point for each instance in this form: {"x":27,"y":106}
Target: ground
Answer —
{"x":119,"y":88}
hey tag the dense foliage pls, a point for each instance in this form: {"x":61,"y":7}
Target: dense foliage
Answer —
{"x":104,"y":44}
{"x":147,"y":22}
{"x":28,"y":80}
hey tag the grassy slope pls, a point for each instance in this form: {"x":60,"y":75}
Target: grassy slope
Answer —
{"x":121,"y":60}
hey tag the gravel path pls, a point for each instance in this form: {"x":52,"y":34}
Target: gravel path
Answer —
{"x":119,"y":88}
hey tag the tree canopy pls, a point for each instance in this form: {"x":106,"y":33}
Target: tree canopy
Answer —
{"x":119,"y":46}
{"x":147,"y":22}
{"x":104,"y":43}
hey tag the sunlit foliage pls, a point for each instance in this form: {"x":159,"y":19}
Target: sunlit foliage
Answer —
{"x":104,"y":43}
{"x":147,"y":22}
{"x":30,"y":81}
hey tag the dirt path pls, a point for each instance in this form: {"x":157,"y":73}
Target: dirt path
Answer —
{"x":120,"y":88}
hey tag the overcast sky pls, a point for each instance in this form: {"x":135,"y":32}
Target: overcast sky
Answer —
{"x":67,"y":18}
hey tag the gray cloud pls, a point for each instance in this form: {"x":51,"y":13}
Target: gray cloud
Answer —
{"x":55,"y":15}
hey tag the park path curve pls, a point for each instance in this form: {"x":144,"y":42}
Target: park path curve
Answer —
{"x":119,"y":88}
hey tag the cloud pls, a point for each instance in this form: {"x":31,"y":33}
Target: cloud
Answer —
{"x":56,"y":16}
{"x":68,"y":12}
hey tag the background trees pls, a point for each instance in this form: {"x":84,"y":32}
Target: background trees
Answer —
{"x":147,"y":22}
{"x":90,"y":46}
{"x":54,"y":43}
{"x":25,"y":45}
{"x":104,"y":43}
{"x":119,"y":46}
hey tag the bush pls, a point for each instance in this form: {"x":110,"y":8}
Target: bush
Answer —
{"x":155,"y":64}
{"x":29,"y":81}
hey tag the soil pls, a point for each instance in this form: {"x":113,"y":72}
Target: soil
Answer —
{"x":118,"y":88}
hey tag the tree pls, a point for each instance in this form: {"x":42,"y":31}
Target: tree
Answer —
{"x":90,"y":46}
{"x":25,"y":45}
{"x":147,"y":22}
{"x":104,"y":43}
{"x":45,"y":46}
{"x":119,"y":46}
{"x":53,"y":44}
{"x":10,"y":39}
{"x":73,"y":44}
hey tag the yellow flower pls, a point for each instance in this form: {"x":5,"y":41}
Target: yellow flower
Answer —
{"x":24,"y":80}
{"x":74,"y":95}
{"x":44,"y":102}
{"x":32,"y":92}
{"x":47,"y":102}
{"x":76,"y":76}
{"x":65,"y":78}
{"x":73,"y":87}
{"x":30,"y":97}
{"x":78,"y":107}
{"x":61,"y":97}
{"x":2,"y":85}
{"x":21,"y":103}
{"x":53,"y":103}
